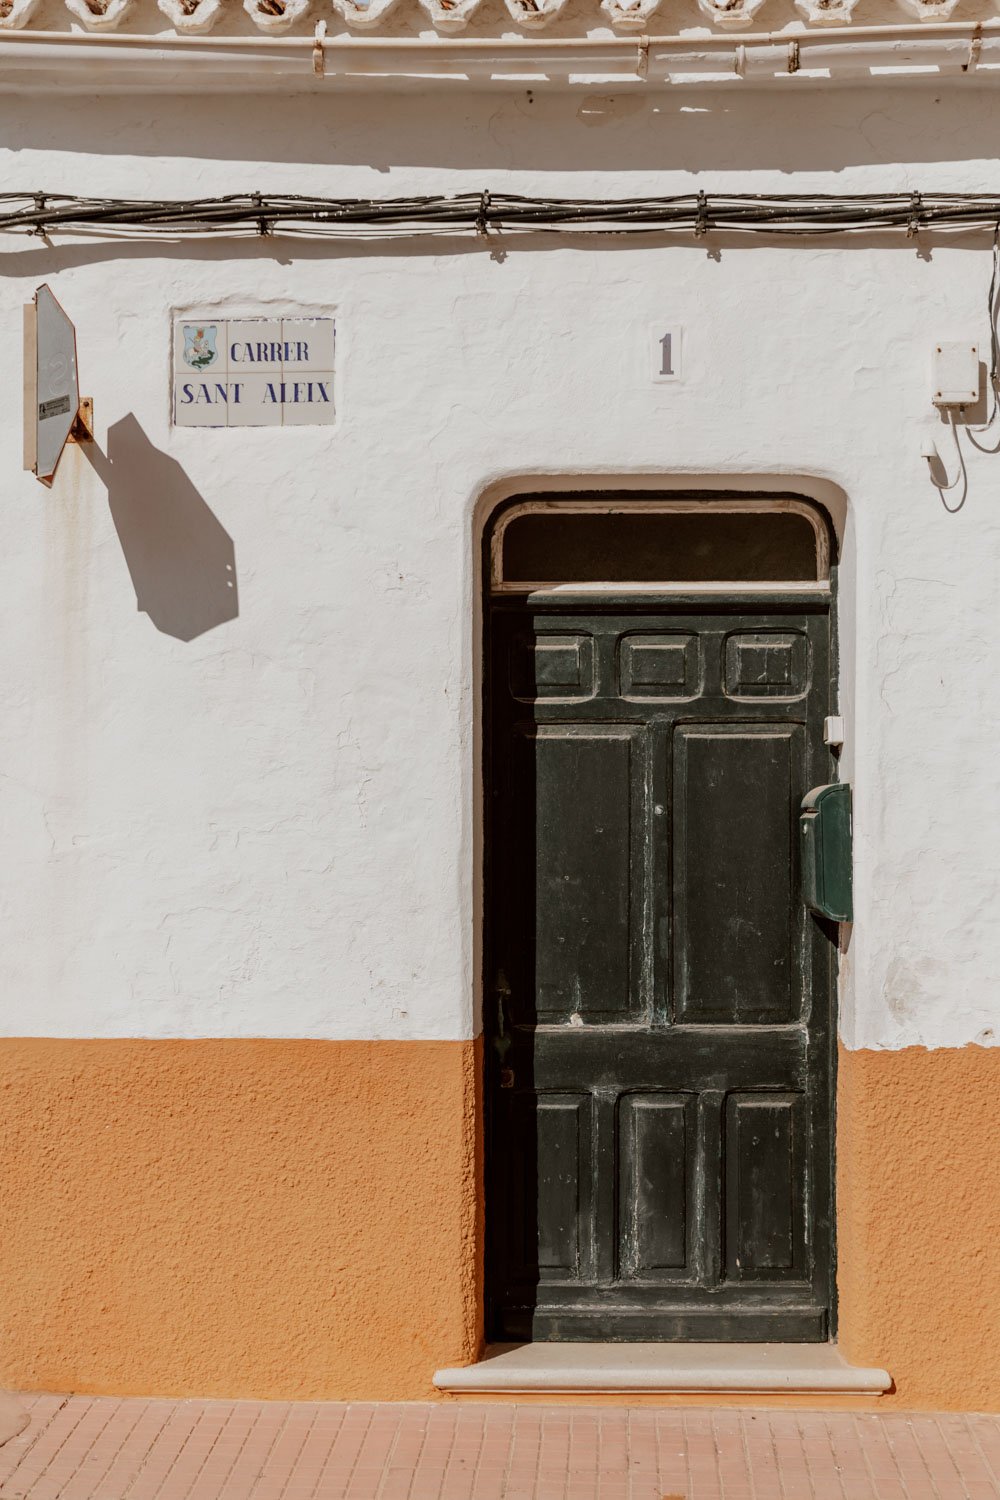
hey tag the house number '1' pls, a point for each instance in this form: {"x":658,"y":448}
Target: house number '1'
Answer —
{"x":665,"y":347}
{"x":666,"y":344}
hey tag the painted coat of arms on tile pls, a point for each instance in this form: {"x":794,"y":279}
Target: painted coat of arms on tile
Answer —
{"x":199,"y":345}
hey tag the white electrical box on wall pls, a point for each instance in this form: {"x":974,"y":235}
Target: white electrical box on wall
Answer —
{"x":955,"y":374}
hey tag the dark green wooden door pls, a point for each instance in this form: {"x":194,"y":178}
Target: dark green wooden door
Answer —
{"x":658,"y":1001}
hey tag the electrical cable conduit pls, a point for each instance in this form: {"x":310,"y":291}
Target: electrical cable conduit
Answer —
{"x":34,"y":61}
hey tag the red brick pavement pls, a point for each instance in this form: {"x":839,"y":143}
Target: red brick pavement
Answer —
{"x":106,"y":1448}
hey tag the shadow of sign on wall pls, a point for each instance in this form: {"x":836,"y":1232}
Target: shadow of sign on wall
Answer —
{"x":180,"y":557}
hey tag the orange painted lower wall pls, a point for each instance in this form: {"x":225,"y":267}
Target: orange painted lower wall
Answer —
{"x":241,"y":1218}
{"x":918,"y":1219}
{"x":302,"y":1219}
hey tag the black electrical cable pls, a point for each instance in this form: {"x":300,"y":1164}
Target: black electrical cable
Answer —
{"x":486,"y":213}
{"x":943,"y":486}
{"x":993,"y":379}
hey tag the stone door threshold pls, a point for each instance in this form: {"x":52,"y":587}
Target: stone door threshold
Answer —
{"x":748,"y":1368}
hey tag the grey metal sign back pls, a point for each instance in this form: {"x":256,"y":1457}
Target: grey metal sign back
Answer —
{"x":52,"y":391}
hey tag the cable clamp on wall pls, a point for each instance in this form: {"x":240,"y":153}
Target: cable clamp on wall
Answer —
{"x":915,"y":208}
{"x":975,"y":47}
{"x":263,"y":227}
{"x":319,"y":56}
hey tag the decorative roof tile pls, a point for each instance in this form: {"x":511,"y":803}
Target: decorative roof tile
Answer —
{"x":191,"y":17}
{"x":100,"y":15}
{"x":482,"y":18}
{"x":16,"y":13}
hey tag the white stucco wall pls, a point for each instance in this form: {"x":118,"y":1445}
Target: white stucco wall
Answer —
{"x":267,"y":829}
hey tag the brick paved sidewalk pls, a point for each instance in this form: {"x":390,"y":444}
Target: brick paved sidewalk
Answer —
{"x":104,"y":1448}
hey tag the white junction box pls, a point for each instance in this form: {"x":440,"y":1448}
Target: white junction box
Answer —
{"x":955,"y":374}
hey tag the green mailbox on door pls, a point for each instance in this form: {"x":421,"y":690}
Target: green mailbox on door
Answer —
{"x":825,"y":839}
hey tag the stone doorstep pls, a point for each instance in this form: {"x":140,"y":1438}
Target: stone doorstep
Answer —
{"x":704,"y":1368}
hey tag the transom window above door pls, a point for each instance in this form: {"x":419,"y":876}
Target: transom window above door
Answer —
{"x":769,"y":542}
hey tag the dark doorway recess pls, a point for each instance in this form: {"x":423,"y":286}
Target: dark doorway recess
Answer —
{"x":659,"y":1003}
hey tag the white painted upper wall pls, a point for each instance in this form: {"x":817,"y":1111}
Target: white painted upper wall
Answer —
{"x":265,"y":828}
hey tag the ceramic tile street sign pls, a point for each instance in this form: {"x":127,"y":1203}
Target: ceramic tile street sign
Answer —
{"x":253,"y":372}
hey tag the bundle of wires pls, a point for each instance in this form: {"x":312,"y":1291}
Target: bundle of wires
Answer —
{"x":487,"y":213}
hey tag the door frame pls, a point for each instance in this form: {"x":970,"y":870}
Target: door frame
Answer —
{"x":826,"y":506}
